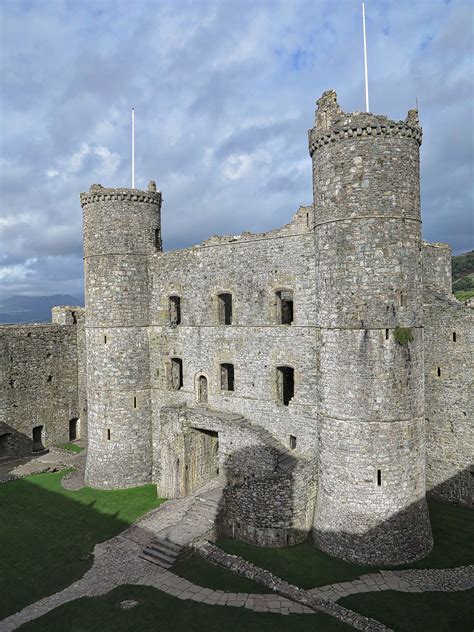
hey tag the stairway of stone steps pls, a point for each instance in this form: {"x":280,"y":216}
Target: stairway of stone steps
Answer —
{"x":164,"y":549}
{"x":161,"y":552}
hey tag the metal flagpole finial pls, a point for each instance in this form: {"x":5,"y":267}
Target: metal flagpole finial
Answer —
{"x":365,"y":61}
{"x":133,"y":148}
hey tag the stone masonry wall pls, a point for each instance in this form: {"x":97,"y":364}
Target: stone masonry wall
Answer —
{"x":368,"y":283}
{"x":39,"y":385}
{"x":252,"y":268}
{"x":449,"y":408}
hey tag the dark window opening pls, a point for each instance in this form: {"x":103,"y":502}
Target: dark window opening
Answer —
{"x":37,"y":434}
{"x":73,"y":429}
{"x":285,"y":384}
{"x":74,"y":318}
{"x":454,"y":336}
{"x":157,"y":238}
{"x":403,"y":299}
{"x":387,"y":331}
{"x":105,"y":340}
{"x":174,"y":309}
{"x":224,"y":309}
{"x":202,"y":390}
{"x":284,"y":307}
{"x":108,"y":434}
{"x":6,"y":444}
{"x":134,"y":402}
{"x":176,"y":374}
{"x":379,"y":477}
{"x":439,"y":371}
{"x":227,"y":377}
{"x":292,"y":442}
{"x":49,"y":379}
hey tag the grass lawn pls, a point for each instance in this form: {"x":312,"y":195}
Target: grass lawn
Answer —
{"x":71,"y":447}
{"x":305,"y":566}
{"x":200,"y":572}
{"x":158,"y":611}
{"x":48,"y":534}
{"x":417,"y":612}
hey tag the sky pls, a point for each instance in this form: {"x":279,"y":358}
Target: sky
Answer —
{"x":224,"y":92}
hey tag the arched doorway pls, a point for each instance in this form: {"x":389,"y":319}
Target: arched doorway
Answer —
{"x":202,"y":389}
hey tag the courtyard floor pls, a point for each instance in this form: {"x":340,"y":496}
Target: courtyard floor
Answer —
{"x":72,"y":562}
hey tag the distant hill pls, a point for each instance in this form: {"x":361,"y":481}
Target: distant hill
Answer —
{"x":33,"y":309}
{"x":463,"y":275}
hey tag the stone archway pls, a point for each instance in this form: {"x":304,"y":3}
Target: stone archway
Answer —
{"x":202,"y":389}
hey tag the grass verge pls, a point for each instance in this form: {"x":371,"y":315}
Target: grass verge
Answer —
{"x":417,"y":612}
{"x":200,"y":572}
{"x":48,"y":533}
{"x":159,"y":611}
{"x":71,"y":447}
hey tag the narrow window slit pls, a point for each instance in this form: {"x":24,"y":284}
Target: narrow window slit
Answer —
{"x":387,"y":331}
{"x":105,"y":340}
{"x":379,"y":478}
{"x":108,"y":434}
{"x":292,"y":442}
{"x":439,"y":371}
{"x":454,"y":336}
{"x":134,"y":402}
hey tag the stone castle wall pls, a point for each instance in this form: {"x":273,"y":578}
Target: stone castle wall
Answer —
{"x":40,"y":366}
{"x":449,"y":385}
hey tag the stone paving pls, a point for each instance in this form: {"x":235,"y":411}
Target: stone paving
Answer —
{"x":117,"y":562}
{"x":49,"y":461}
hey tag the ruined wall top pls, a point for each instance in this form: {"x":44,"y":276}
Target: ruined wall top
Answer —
{"x":333,"y":124}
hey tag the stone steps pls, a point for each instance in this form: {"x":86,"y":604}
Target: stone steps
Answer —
{"x":161,"y":552}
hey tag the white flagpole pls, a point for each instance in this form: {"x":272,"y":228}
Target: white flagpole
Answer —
{"x":133,"y":148}
{"x":365,"y":61}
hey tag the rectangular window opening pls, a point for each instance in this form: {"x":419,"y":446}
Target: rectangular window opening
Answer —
{"x":379,"y":477}
{"x":292,"y":442}
{"x":174,"y":310}
{"x":387,"y":332}
{"x":134,"y":402}
{"x":224,"y":309}
{"x":285,"y":384}
{"x":108,"y":434}
{"x":439,"y":371}
{"x":284,"y":307}
{"x":176,"y":374}
{"x":105,"y":340}
{"x":157,"y":238}
{"x":227,"y":377}
{"x":454,"y":336}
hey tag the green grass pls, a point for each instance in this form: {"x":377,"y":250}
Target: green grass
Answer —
{"x":464,"y":295}
{"x":417,"y":612}
{"x":48,"y":534}
{"x":200,"y":572}
{"x":306,"y":566}
{"x":71,"y":447}
{"x":158,"y":611}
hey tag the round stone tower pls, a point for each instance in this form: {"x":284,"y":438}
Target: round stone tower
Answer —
{"x":121,"y":232}
{"x":371,"y":505}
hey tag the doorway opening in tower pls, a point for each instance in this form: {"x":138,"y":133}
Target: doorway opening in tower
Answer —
{"x":201,"y":458}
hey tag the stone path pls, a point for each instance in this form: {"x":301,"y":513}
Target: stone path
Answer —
{"x":119,"y":561}
{"x":51,"y":461}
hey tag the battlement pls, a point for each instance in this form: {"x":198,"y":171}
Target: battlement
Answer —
{"x":98,"y":193}
{"x":333,"y":124}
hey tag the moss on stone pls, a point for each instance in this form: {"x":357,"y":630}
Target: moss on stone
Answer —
{"x":403,"y":335}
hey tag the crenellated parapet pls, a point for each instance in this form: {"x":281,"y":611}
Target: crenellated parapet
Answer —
{"x":98,"y":193}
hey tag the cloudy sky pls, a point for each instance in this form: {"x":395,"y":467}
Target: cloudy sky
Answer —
{"x":224,"y":93}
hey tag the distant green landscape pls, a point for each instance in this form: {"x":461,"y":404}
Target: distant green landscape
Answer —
{"x":463,"y":276}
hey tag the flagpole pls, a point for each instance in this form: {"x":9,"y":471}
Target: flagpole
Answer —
{"x":133,"y":148}
{"x":365,"y":61}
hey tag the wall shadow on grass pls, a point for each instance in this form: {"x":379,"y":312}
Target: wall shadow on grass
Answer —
{"x":48,"y":534}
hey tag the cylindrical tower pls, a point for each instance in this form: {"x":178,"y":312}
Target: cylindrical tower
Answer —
{"x":371,"y":505}
{"x":121,"y":232}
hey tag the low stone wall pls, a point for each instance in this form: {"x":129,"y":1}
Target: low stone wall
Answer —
{"x":213,"y":554}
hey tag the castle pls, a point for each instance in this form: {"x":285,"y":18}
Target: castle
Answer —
{"x":321,"y":370}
